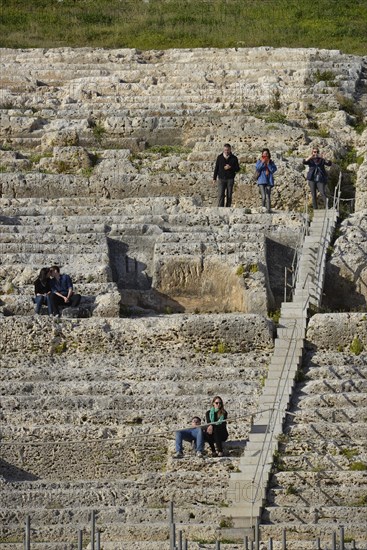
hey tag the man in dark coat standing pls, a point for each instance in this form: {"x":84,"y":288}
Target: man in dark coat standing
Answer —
{"x":226,"y":167}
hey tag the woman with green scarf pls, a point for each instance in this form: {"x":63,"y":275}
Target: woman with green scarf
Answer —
{"x":216,"y":432}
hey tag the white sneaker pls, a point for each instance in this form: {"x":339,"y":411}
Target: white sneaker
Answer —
{"x":178,"y":455}
{"x":199,"y":454}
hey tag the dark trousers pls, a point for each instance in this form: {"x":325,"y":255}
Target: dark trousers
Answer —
{"x":225,"y":190}
{"x":217,"y":438}
{"x":321,"y":188}
{"x":265,"y":191}
{"x":59,"y":302}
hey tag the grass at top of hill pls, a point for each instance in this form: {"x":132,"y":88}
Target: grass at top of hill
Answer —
{"x":161,"y":24}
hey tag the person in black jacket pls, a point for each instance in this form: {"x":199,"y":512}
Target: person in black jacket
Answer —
{"x":42,"y":291}
{"x":317,"y":176}
{"x":216,"y":432}
{"x":226,"y":167}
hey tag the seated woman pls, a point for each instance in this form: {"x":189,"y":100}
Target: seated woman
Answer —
{"x":216,"y":432}
{"x":42,"y":291}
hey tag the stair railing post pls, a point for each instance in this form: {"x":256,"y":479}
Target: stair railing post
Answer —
{"x":341,"y":536}
{"x":172,"y":528}
{"x":284,"y":539}
{"x":333,"y":541}
{"x":172,"y":537}
{"x":92,"y":529}
{"x":80,"y":539}
{"x":27,"y":538}
{"x":257,"y":535}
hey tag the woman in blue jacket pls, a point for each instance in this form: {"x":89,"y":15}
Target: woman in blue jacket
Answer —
{"x":265,"y":169}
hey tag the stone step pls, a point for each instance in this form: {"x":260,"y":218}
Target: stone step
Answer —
{"x":84,"y":288}
{"x":80,"y":272}
{"x":204,"y":247}
{"x":51,"y":258}
{"x":317,"y":514}
{"x":156,"y":531}
{"x":18,"y":249}
{"x":333,"y":488}
{"x":337,"y":386}
{"x":299,"y":533}
{"x":72,"y":518}
{"x":337,"y":401}
{"x":332,"y":414}
{"x":94,"y":387}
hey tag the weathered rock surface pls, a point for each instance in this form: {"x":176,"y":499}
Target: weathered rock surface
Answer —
{"x":346,"y":279}
{"x":98,"y":100}
{"x":319,"y":481}
{"x":163,"y":254}
{"x":106,"y":166}
{"x":89,"y":419}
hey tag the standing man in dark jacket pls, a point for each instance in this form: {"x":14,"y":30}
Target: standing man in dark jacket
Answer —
{"x":225,"y":170}
{"x":317,"y":176}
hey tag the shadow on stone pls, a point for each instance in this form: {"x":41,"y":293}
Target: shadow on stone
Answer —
{"x":14,"y":473}
{"x":278,"y":257}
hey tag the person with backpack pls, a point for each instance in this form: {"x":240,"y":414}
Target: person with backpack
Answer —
{"x":317,"y":176}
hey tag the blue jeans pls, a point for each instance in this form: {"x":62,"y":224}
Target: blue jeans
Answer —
{"x":265,"y":192}
{"x":225,"y":189}
{"x":41,"y":300}
{"x":192,"y":434}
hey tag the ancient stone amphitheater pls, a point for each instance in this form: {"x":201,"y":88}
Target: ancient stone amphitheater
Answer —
{"x":106,"y":165}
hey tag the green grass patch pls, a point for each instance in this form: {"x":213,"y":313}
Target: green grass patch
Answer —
{"x":358,"y":466}
{"x":349,"y":453}
{"x":356,"y":346}
{"x":324,"y":76}
{"x":240,"y":270}
{"x":221,"y":347}
{"x":160,"y":24}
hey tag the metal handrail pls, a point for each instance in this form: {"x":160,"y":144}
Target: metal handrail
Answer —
{"x":268,"y":442}
{"x":266,"y":448}
{"x":295,"y":261}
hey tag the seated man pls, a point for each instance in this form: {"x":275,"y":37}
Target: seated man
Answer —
{"x":195,"y":433}
{"x":62,"y":290}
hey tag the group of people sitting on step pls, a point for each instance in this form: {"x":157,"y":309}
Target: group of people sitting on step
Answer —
{"x":54,"y":290}
{"x":214,"y":431}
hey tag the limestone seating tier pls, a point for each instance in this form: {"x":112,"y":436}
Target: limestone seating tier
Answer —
{"x":277,"y":65}
{"x":92,"y":435}
{"x":313,"y":490}
{"x":147,"y":99}
{"x":56,"y":98}
{"x":129,"y":242}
